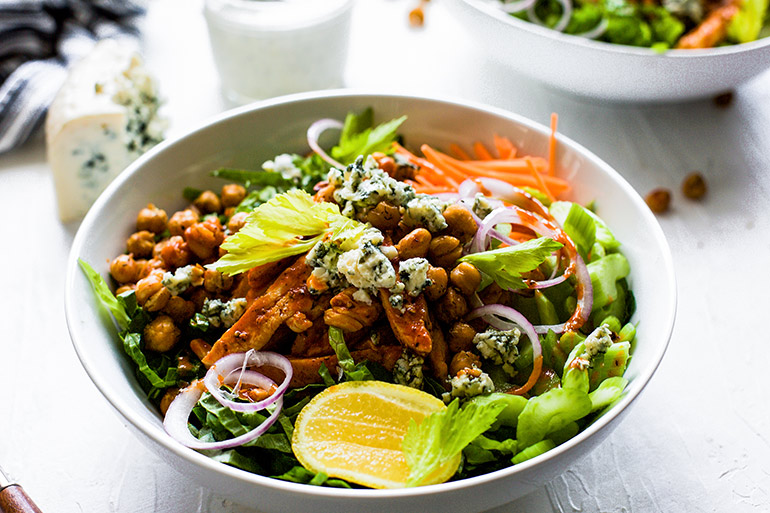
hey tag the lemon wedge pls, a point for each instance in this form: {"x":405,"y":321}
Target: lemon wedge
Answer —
{"x":354,"y":430}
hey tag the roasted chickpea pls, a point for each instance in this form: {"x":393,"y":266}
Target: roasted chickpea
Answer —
{"x":167,"y":399}
{"x":208,"y":202}
{"x":444,"y":251}
{"x":216,"y":282}
{"x":125,"y":288}
{"x":694,"y":186}
{"x":182,"y":220}
{"x":198,"y":297}
{"x":229,"y":211}
{"x":463,"y":360}
{"x":452,"y":306}
{"x":152,"y":219}
{"x":204,"y":238}
{"x":150,"y":265}
{"x":438,"y":283}
{"x":658,"y":200}
{"x":465,"y":277}
{"x":179,"y":309}
{"x":461,"y":223}
{"x":176,"y":252}
{"x":384,"y":216}
{"x":232,"y":194}
{"x":150,"y":292}
{"x":460,"y":337}
{"x":414,"y":244}
{"x":141,"y":243}
{"x":125,"y":269}
{"x":161,"y":334}
{"x":237,"y":221}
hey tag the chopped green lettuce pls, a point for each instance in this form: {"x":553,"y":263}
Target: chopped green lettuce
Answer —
{"x":351,"y":371}
{"x":105,"y":295}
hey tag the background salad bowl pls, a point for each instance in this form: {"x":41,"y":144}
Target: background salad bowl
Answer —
{"x":248,"y":136}
{"x":606,"y":71}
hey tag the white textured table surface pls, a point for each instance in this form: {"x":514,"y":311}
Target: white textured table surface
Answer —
{"x":698,"y":438}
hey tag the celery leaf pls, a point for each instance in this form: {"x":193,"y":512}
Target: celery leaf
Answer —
{"x":442,"y":435}
{"x":288,"y":224}
{"x":505,"y":265}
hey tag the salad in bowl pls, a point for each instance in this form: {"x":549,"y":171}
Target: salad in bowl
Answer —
{"x":376,"y":310}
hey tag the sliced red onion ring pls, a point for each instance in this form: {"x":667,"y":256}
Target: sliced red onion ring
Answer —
{"x":514,"y":7}
{"x":447,"y":196}
{"x":468,"y":189}
{"x":314,"y":133}
{"x":512,"y":194}
{"x":510,"y":317}
{"x":178,"y":414}
{"x":597,"y":31}
{"x":566,"y":15}
{"x":545,"y":227}
{"x":228,"y":365}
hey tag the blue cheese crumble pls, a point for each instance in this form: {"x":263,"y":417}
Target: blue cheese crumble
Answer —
{"x":182,"y":279}
{"x":427,"y":212}
{"x":366,"y":265}
{"x":223,"y":314}
{"x":284,"y":164}
{"x":482,"y":206}
{"x":363,"y":185}
{"x":500,"y":347}
{"x":408,"y":370}
{"x":598,"y":341}
{"x":469,"y":383}
{"x":413,"y":273}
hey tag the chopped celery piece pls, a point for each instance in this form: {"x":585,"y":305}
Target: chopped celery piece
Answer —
{"x":605,"y":274}
{"x":546,"y":309}
{"x":746,"y":25}
{"x":534,"y":450}
{"x":509,"y":415}
{"x":607,"y":392}
{"x":613,"y":364}
{"x":627,"y":333}
{"x":550,"y":412}
{"x":562,"y":435}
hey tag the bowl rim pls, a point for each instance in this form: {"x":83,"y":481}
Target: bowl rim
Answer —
{"x":486,"y":7}
{"x":203,"y":462}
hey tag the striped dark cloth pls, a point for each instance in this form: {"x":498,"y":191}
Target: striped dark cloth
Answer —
{"x":38,"y":40}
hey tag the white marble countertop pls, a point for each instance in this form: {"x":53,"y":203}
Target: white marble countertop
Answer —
{"x":697,"y":440}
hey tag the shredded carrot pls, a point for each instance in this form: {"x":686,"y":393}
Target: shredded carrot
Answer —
{"x":481,"y":151}
{"x":469,"y":169}
{"x":537,"y":368}
{"x":519,"y":166}
{"x":442,"y":172}
{"x":504,"y":147}
{"x":539,"y":178}
{"x":458,"y":152}
{"x":437,"y":175}
{"x":552,"y":145}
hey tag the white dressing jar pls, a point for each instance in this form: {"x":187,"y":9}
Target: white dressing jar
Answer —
{"x":265,"y":48}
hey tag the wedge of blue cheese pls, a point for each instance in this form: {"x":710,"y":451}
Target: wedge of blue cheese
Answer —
{"x":104,"y":116}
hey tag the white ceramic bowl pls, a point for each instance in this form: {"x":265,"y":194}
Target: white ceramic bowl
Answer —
{"x":605,"y":71}
{"x":248,"y":136}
